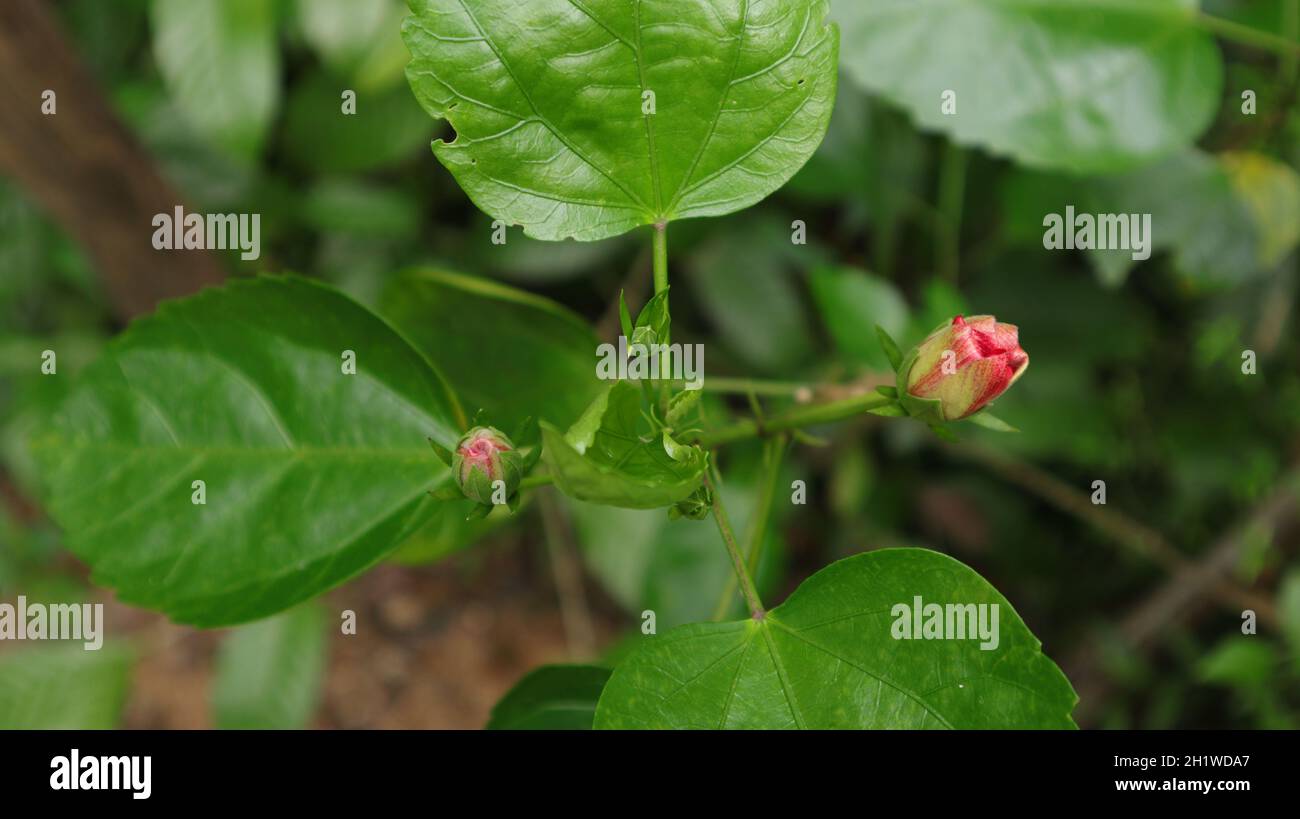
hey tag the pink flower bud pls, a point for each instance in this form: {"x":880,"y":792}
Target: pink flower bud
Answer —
{"x":967,"y":364}
{"x":483,"y":456}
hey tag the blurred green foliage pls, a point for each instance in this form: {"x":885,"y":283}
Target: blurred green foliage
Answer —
{"x":1136,"y":375}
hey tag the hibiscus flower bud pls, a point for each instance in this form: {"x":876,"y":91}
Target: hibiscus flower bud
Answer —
{"x":967,"y":364}
{"x":483,"y":457}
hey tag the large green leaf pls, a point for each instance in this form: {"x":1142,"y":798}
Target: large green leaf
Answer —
{"x":221,"y":64}
{"x":268,"y":673}
{"x":1075,"y":84}
{"x":1196,"y":214}
{"x":506,"y":351}
{"x":611,"y":457}
{"x":311,"y":475}
{"x":551,"y":698}
{"x":826,"y":658}
{"x":63,"y":687}
{"x":547,"y":100}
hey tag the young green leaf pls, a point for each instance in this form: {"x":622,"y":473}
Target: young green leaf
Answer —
{"x":551,"y":698}
{"x":828,"y":658}
{"x":309,"y":474}
{"x":611,"y":457}
{"x":268,"y":673}
{"x":1083,"y":85}
{"x":587,"y":119}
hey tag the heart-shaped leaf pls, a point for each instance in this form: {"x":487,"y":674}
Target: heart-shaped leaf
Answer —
{"x":1075,"y":84}
{"x":588,"y":118}
{"x":310,"y":474}
{"x":611,"y":456}
{"x":829,"y":658}
{"x":551,"y":698}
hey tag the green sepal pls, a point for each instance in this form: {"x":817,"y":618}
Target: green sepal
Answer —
{"x":890,"y":347}
{"x":988,"y":420}
{"x":479,"y":511}
{"x":929,"y":410}
{"x":450,"y":492}
{"x":900,"y":381}
{"x":888,"y":392}
{"x":441,"y":451}
{"x":529,"y":458}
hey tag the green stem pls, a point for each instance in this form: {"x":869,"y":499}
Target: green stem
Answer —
{"x":773,"y":452}
{"x":1246,"y":35}
{"x":729,"y":539}
{"x":661,"y":257}
{"x":534,"y":481}
{"x":793,"y":419}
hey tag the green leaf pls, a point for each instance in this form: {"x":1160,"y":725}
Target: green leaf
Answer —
{"x":743,"y":278}
{"x":311,"y":475}
{"x":1239,"y":661}
{"x":268,"y":673}
{"x":611,"y":457}
{"x":52,"y":687}
{"x":1084,"y":85}
{"x":221,"y":63}
{"x":505,"y":351}
{"x":1271,"y":191}
{"x":1196,"y":215}
{"x":388,"y":127}
{"x":852,"y":303}
{"x":347,"y":35}
{"x":547,"y":101}
{"x":551,"y":698}
{"x":826,"y":658}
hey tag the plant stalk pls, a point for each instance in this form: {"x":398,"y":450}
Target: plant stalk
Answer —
{"x":773,"y":452}
{"x":729,"y":539}
{"x":661,"y":257}
{"x":1239,"y":33}
{"x":793,"y":419}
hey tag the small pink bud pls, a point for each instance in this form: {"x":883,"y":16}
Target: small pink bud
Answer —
{"x":484,"y":456}
{"x":967,"y":364}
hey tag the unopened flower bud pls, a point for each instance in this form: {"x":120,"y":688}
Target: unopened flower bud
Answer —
{"x":967,"y":364}
{"x":483,"y":457}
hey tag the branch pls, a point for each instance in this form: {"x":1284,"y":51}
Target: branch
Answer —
{"x":84,"y":167}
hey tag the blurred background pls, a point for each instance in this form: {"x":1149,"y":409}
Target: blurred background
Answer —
{"x":1137,"y":380}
